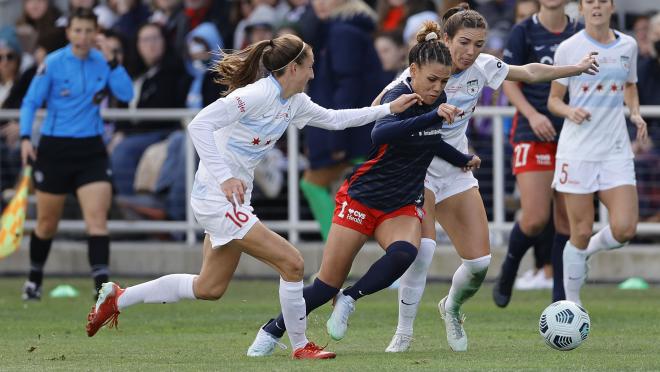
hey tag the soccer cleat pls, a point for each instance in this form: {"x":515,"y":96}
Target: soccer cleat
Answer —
{"x":338,"y":322}
{"x":106,"y":310}
{"x":264,"y":344}
{"x":399,"y":343}
{"x":311,"y":351}
{"x":502,"y":291}
{"x":456,"y":336}
{"x":31,"y":291}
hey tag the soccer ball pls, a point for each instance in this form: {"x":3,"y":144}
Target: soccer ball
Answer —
{"x":564,"y":325}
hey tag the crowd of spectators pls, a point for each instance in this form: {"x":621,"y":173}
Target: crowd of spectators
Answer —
{"x":168,"y":45}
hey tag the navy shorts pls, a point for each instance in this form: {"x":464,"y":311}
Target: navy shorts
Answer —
{"x":64,"y":164}
{"x":326,"y":148}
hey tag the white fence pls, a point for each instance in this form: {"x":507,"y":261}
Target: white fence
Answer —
{"x":294,"y":226}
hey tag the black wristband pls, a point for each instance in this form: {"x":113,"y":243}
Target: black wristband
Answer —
{"x":113,"y":63}
{"x":25,"y":137}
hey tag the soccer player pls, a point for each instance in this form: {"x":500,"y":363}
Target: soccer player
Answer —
{"x":534,"y":138}
{"x":451,"y":196}
{"x":383,"y":196}
{"x":594,"y":154}
{"x":231,"y":136}
{"x":71,"y":156}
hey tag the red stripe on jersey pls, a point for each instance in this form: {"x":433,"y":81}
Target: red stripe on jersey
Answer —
{"x":368,"y":164}
{"x":513,"y":128}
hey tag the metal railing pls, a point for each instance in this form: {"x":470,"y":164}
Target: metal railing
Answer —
{"x":293,"y":226}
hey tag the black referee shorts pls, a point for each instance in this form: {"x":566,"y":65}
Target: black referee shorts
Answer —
{"x":64,"y":164}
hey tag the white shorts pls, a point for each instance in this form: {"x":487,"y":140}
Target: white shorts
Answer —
{"x":450,"y":182}
{"x":222,"y":221}
{"x":587,"y":177}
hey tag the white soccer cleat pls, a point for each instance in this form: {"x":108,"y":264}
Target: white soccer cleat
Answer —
{"x":399,"y":343}
{"x":338,"y":322}
{"x":264,"y":344}
{"x":456,"y":336}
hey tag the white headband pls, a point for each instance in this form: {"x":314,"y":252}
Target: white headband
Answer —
{"x":431,"y":36}
{"x":294,"y":58}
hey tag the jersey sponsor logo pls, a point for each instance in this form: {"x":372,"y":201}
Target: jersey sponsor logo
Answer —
{"x":539,"y":47}
{"x":543,"y":159}
{"x":453,"y":89}
{"x":433,"y":132}
{"x":241,"y":104}
{"x":355,"y":216}
{"x":65,"y":92}
{"x":473,"y":86}
{"x":625,"y":62}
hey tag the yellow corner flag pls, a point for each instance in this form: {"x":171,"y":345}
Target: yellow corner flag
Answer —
{"x":13,"y":217}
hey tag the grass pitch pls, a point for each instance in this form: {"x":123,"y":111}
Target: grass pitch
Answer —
{"x":201,"y":336}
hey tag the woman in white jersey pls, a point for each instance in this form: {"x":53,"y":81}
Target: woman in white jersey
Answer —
{"x":594,"y":153}
{"x":451,"y":196}
{"x":231,"y":136}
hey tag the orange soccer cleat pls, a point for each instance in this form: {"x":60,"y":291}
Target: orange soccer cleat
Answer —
{"x":311,"y":351}
{"x":106,"y":310}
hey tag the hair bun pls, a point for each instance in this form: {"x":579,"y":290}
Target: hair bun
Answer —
{"x":431,"y":36}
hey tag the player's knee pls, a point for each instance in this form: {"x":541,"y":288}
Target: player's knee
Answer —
{"x":624,"y":233}
{"x":46,"y":227}
{"x":293,"y":269}
{"x":581,"y":233}
{"x":533,"y":225}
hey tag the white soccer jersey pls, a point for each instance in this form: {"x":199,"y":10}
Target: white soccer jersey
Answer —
{"x":604,"y":136}
{"x":233,"y":134}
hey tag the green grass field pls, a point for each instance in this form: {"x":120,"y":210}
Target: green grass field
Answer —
{"x":199,"y":336}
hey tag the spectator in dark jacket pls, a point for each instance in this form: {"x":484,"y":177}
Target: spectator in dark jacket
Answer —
{"x":159,"y":81}
{"x":348,"y":74}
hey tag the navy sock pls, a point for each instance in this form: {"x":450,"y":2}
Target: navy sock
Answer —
{"x":543,"y":246}
{"x":519,"y":243}
{"x":558,"y":293}
{"x":39,"y":250}
{"x":398,"y":257}
{"x":315,"y":296}
{"x":98,"y":252}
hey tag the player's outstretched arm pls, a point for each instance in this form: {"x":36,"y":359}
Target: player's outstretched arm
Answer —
{"x":539,"y":72}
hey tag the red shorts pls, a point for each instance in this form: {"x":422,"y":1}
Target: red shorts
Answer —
{"x":533,"y":157}
{"x":357,"y":216}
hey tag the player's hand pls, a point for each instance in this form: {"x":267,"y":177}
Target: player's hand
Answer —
{"x":542,"y":127}
{"x":234,"y":190}
{"x":475,"y":163}
{"x":448,"y":112}
{"x":27,"y":151}
{"x":404,"y":101}
{"x":588,"y":64}
{"x":642,"y":131}
{"x":11,"y":132}
{"x":578,"y":115}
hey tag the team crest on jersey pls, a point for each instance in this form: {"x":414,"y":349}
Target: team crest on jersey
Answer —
{"x":473,"y":87}
{"x":625,"y":62}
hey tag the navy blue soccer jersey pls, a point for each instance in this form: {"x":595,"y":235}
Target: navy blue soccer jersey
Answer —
{"x":531,"y":42}
{"x":403,"y":146}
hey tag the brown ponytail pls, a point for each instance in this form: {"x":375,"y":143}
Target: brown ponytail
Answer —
{"x":460,"y":17}
{"x":429,"y":48}
{"x":241,"y":68}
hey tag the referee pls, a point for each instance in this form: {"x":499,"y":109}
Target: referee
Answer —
{"x":71,"y":156}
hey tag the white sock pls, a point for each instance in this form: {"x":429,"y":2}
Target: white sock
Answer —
{"x":411,"y":287}
{"x":466,"y":282}
{"x":575,"y":271}
{"x":294,"y":312}
{"x":164,"y":290}
{"x":603,"y":241}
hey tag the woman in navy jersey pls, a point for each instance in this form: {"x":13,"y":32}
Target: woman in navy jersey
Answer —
{"x":383,"y":196}
{"x":534,"y":138}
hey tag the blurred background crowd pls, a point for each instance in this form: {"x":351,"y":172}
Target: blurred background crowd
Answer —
{"x":167,"y":47}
